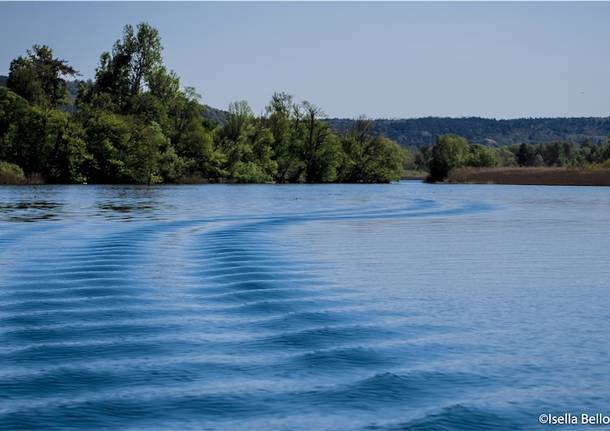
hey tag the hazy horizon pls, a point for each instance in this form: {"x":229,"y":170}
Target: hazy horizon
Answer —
{"x":384,"y":60}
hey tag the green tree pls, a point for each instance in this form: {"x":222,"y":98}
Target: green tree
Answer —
{"x":171,"y":166}
{"x":320,"y":148}
{"x":240,"y":115}
{"x":107,"y":137}
{"x":526,"y":155}
{"x":255,"y":162}
{"x":602,"y":154}
{"x":368,"y":157}
{"x":11,"y":173}
{"x":133,"y":124}
{"x":69,"y":152}
{"x":42,"y":141}
{"x":483,"y":157}
{"x":506,"y":157}
{"x":38,"y":77}
{"x":134,"y":63}
{"x":144,"y":153}
{"x":13,"y":108}
{"x":248,"y":146}
{"x":450,"y":151}
{"x":284,"y":121}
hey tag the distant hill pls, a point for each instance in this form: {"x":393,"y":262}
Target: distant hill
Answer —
{"x":215,"y":115}
{"x":418,"y":132}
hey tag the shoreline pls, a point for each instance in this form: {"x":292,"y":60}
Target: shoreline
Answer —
{"x":531,"y":176}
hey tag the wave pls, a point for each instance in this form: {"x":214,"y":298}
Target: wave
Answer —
{"x":168,"y":310}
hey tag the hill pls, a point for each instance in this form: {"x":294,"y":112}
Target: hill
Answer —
{"x":418,"y":132}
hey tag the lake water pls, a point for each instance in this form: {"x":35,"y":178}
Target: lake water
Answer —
{"x":325,"y":307}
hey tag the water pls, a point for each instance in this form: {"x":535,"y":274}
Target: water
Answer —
{"x":337,"y":307}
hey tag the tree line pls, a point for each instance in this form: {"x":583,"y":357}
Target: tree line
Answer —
{"x":133,"y":123}
{"x":453,"y":151}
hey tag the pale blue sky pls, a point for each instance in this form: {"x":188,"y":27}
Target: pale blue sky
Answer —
{"x":500,"y":60}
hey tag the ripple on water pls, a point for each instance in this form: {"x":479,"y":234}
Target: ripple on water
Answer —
{"x":195,"y":316}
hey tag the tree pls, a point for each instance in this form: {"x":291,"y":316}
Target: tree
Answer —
{"x":143,"y":154}
{"x":39,"y":77}
{"x":134,"y":124}
{"x":526,"y":155}
{"x":144,"y":49}
{"x":247,"y":145}
{"x":368,"y":157}
{"x":255,"y":163}
{"x":69,"y":152}
{"x":279,"y":112}
{"x":134,"y":63}
{"x":240,"y":115}
{"x":13,"y":108}
{"x":450,"y":151}
{"x":11,"y":173}
{"x":171,"y":166}
{"x":40,"y":140}
{"x":107,"y":137}
{"x":285,"y":120}
{"x":483,"y":157}
{"x":320,"y":150}
{"x":506,"y":157}
{"x":602,"y":154}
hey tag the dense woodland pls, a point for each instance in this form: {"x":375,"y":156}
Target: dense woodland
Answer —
{"x":134,"y":123}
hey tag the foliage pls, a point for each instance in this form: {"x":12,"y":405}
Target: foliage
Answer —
{"x":40,"y":140}
{"x":370,"y":158}
{"x":135,"y":124}
{"x":450,"y":151}
{"x":38,"y":77}
{"x":135,"y":62}
{"x":561,"y":154}
{"x":483,"y":157}
{"x":453,"y":151}
{"x":10,"y":173}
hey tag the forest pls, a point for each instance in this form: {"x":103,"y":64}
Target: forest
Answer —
{"x":134,"y":124}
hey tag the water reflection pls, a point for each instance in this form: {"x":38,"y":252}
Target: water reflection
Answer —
{"x":125,"y":212}
{"x":129,"y":203}
{"x":30,"y":211}
{"x":118,"y":203}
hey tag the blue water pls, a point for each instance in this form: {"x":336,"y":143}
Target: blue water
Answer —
{"x":333,"y":307}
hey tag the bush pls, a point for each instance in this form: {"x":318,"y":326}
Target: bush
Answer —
{"x":11,"y":174}
{"x":483,"y":157}
{"x":249,"y":172}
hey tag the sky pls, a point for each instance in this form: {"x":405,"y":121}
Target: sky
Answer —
{"x":383,"y":60}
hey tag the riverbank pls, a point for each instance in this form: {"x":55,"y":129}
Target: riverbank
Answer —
{"x":531,"y":176}
{"x":413,"y":175}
